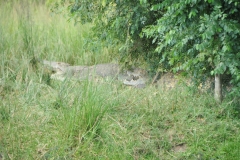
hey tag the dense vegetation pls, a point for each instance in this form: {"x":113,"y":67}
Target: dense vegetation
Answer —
{"x":45,"y":119}
{"x":200,"y":37}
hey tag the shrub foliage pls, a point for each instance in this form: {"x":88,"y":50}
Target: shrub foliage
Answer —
{"x":197,"y":36}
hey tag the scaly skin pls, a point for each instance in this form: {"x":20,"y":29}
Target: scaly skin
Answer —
{"x":62,"y":70}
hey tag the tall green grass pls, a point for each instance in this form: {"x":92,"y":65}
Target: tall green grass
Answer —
{"x":45,"y":119}
{"x":34,"y":31}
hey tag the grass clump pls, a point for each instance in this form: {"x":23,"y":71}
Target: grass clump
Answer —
{"x":41,"y":118}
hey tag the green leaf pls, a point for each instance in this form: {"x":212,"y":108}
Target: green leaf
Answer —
{"x":210,"y":1}
{"x":143,"y":2}
{"x":192,"y":13}
{"x":154,"y":40}
{"x":104,"y":3}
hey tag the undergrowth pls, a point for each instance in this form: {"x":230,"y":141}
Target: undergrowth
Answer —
{"x":45,"y":119}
